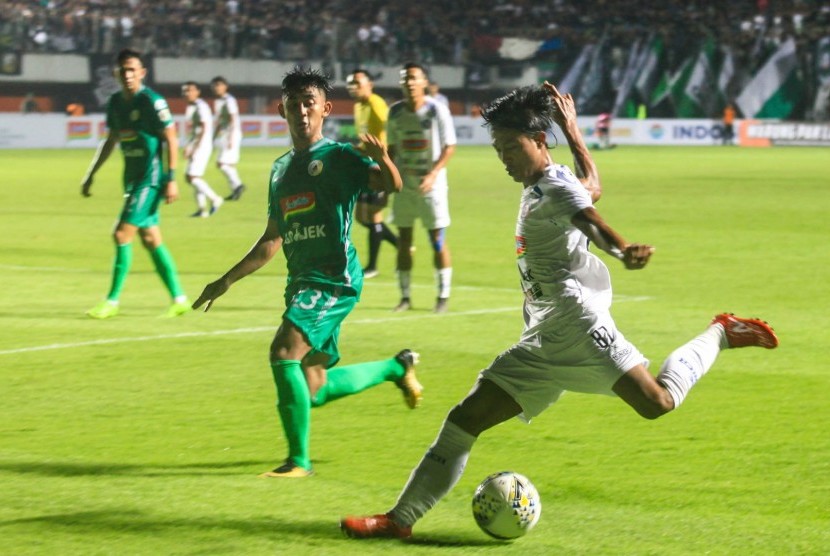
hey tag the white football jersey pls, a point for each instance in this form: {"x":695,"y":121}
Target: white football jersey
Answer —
{"x":198,"y":117}
{"x":226,"y":110}
{"x":558,"y":274}
{"x":418,"y":138}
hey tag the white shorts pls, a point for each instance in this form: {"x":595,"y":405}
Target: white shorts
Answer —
{"x":433,"y":208}
{"x":228,"y":155}
{"x":579,"y":352}
{"x":197,"y":164}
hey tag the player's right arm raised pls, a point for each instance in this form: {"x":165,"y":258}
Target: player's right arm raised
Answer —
{"x":263,"y":251}
{"x":565,"y":117}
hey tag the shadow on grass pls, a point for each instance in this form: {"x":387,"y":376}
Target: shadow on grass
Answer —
{"x":61,"y":469}
{"x":96,"y":522}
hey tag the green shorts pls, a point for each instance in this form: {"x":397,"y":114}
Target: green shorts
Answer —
{"x":318,"y":314}
{"x":141,"y":207}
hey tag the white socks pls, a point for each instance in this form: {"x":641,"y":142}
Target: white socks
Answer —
{"x":405,"y":280}
{"x":443,"y":276}
{"x":684,"y":367}
{"x":439,"y":471}
{"x":204,"y":190}
{"x":232,"y":175}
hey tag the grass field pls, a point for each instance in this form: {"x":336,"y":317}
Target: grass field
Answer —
{"x":140,"y":435}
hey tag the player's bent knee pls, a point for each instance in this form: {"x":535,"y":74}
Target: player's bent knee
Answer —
{"x":438,"y":239}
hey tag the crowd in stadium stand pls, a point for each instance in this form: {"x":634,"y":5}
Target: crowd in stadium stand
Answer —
{"x":432,"y":31}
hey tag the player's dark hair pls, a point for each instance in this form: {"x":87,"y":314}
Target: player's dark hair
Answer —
{"x":126,"y":54}
{"x":416,"y":65}
{"x":526,"y":109}
{"x":364,"y":71}
{"x":299,"y":79}
{"x":191,"y":84}
{"x":218,"y":79}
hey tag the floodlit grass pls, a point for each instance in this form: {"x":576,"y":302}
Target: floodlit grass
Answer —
{"x":140,"y":435}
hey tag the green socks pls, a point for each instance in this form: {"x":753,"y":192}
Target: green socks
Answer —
{"x":294,"y":403}
{"x":120,"y":269}
{"x":344,"y":381}
{"x":166,"y":268}
{"x":294,"y":408}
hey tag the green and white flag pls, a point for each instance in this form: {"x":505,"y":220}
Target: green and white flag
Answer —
{"x":776,"y":89}
{"x":622,"y":107}
{"x":650,"y":70}
{"x":726,"y":75}
{"x":663,"y":101}
{"x":698,"y":97}
{"x":573,"y":79}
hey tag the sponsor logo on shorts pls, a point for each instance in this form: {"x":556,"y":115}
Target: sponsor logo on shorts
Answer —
{"x":296,"y":205}
{"x":302,"y":233}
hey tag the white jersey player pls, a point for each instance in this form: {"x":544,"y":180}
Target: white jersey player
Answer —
{"x":421,"y":138}
{"x":570,"y":341}
{"x":197,"y":149}
{"x":228,"y":135}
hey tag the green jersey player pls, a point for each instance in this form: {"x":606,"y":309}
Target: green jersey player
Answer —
{"x":139,"y":119}
{"x":312,"y":193}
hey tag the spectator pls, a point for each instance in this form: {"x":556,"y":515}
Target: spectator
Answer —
{"x":29,"y":104}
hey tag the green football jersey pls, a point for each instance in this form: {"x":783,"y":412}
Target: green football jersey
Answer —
{"x":139,"y":124}
{"x":312,"y":194}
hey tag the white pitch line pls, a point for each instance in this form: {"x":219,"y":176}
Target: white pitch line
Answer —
{"x":127,"y":340}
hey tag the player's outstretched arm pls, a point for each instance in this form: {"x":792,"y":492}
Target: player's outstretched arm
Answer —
{"x":101,"y":155}
{"x":565,"y":118}
{"x":262,"y":252}
{"x":387,"y":178}
{"x":633,"y":255}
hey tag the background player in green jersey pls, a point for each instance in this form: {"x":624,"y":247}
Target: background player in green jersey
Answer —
{"x":139,"y":119}
{"x":312,"y":193}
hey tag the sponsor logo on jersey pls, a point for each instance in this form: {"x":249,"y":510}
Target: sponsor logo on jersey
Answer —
{"x":160,"y":104}
{"x":520,"y":246}
{"x":296,"y":205}
{"x":135,"y":115}
{"x":315,"y":168}
{"x":127,"y":135}
{"x":415,"y":144}
{"x":302,"y":233}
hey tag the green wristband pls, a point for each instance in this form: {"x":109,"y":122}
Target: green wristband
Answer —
{"x":171,"y":175}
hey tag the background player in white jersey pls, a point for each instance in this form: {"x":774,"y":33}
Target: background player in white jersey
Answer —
{"x":421,"y":139}
{"x":197,"y":149}
{"x":228,"y":135}
{"x":570,"y":341}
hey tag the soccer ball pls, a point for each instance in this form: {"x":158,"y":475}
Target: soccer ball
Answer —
{"x":506,"y":505}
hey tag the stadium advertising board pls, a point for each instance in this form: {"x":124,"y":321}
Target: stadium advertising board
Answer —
{"x":24,"y":131}
{"x":757,"y":133}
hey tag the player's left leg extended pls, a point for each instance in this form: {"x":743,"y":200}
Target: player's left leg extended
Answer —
{"x":652,"y":397}
{"x":352,"y":379}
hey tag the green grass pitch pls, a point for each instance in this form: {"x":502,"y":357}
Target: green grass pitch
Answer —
{"x":140,"y":435}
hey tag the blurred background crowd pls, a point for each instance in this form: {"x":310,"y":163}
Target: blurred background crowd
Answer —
{"x":389,"y":32}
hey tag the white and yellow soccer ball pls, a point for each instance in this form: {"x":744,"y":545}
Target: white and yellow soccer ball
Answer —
{"x":506,"y":505}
